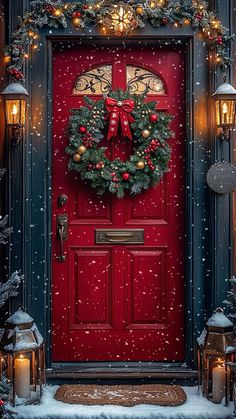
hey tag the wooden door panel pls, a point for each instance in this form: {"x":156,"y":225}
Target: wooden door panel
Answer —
{"x":146,"y":288}
{"x":150,"y":208}
{"x":119,"y":302}
{"x":90,"y":208}
{"x":90,"y":291}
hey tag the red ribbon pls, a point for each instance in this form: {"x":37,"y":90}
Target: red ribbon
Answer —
{"x":119,"y":110}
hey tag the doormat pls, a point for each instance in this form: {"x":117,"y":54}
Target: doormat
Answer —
{"x":121,"y":395}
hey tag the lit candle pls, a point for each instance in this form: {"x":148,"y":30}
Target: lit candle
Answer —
{"x":1,"y":366}
{"x":22,"y":377}
{"x":218,"y":383}
{"x":14,"y":113}
{"x":225,"y":111}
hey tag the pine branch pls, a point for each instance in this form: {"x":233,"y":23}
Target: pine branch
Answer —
{"x":4,"y":230}
{"x":10,"y":288}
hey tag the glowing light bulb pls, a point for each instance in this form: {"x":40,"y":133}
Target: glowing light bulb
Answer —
{"x":57,"y":12}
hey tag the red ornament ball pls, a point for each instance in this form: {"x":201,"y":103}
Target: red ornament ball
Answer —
{"x":125,"y":176}
{"x":76,"y":14}
{"x":82,"y":129}
{"x":85,"y":7}
{"x":1,"y":402}
{"x":219,"y":40}
{"x":153,"y":118}
{"x":165,"y":20}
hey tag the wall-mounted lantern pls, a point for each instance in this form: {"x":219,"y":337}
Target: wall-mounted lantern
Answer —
{"x":225,"y":100}
{"x":216,"y":348}
{"x":22,"y":358}
{"x":15,"y":100}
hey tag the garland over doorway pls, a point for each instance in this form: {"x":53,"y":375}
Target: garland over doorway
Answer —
{"x":119,"y":19}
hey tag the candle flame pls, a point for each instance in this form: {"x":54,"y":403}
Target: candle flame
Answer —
{"x":225,"y":108}
{"x":14,"y":110}
{"x":21,"y":356}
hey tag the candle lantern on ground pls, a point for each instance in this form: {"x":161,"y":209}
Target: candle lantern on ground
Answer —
{"x":216,"y":347}
{"x":23,"y":358}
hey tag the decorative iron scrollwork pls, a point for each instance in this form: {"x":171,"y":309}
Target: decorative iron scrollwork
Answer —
{"x":94,"y":82}
{"x":140,"y":80}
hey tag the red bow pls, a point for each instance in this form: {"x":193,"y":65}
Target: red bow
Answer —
{"x":119,"y":110}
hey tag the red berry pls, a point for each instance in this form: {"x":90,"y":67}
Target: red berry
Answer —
{"x":153,"y":143}
{"x":165,"y":20}
{"x":74,"y":15}
{"x":82,"y":129}
{"x":199,"y":16}
{"x":85,"y":7}
{"x":125,"y":176}
{"x":153,"y":118}
{"x":113,"y":174}
{"x":219,"y":40}
{"x":1,"y":402}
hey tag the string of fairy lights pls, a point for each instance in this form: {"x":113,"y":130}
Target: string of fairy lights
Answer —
{"x":120,"y":19}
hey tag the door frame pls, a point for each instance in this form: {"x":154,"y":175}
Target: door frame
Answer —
{"x":33,"y":243}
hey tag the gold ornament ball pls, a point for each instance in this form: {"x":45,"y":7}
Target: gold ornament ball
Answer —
{"x":81,"y":149}
{"x":76,"y":21}
{"x":77,"y":158}
{"x":139,"y":10}
{"x":145,"y":133}
{"x":140,"y":164}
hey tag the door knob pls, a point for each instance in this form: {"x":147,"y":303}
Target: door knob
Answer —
{"x":62,"y":234}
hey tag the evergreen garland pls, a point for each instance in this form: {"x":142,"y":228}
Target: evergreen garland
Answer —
{"x":151,"y":153}
{"x":90,"y":13}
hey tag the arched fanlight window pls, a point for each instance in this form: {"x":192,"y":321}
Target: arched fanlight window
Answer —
{"x":96,"y":81}
{"x":140,"y":80}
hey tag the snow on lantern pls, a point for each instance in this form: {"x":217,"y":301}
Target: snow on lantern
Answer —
{"x":216,"y":347}
{"x":15,"y":98}
{"x":225,"y":99}
{"x":23,"y":358}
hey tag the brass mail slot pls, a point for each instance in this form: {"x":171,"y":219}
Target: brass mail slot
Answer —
{"x":127,"y":236}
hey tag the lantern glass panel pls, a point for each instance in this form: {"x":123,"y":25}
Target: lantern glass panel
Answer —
{"x":15,"y":111}
{"x":23,"y":112}
{"x":225,"y":112}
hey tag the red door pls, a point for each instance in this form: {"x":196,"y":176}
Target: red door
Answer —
{"x":118,"y":302}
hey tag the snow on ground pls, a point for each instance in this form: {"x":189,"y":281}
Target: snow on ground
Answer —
{"x":196,"y":407}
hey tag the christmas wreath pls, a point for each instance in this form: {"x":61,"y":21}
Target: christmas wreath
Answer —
{"x":120,"y":114}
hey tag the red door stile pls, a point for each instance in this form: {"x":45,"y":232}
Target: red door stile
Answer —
{"x":118,"y":302}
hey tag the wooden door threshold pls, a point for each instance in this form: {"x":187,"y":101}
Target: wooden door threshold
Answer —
{"x":120,"y":371}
